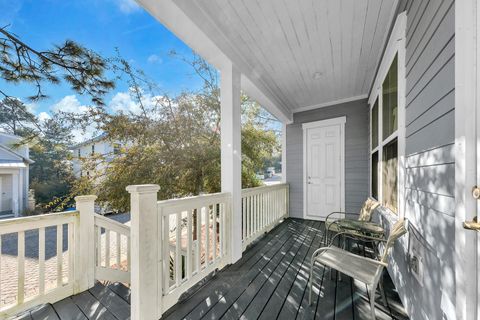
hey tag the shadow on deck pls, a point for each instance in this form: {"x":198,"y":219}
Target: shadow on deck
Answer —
{"x":269,"y":282}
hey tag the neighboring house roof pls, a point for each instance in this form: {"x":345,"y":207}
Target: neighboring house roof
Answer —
{"x":12,"y":164}
{"x":89,"y":141}
{"x":10,"y":135}
{"x":13,"y":153}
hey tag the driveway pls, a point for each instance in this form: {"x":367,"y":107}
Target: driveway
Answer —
{"x":275,"y":179}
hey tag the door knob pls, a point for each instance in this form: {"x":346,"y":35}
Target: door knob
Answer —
{"x":476,"y":192}
{"x":472,"y":225}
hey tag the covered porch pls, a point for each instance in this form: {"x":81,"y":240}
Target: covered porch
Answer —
{"x":380,"y":77}
{"x":268,"y":282}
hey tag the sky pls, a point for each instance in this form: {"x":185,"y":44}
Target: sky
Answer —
{"x":100,"y":25}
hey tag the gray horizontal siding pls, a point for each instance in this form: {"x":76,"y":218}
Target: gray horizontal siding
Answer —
{"x":430,"y":161}
{"x":356,"y":153}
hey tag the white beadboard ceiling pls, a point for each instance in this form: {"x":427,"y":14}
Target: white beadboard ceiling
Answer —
{"x":301,"y":53}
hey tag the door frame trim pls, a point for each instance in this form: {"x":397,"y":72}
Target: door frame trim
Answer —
{"x":466,"y":99}
{"x":316,"y":124}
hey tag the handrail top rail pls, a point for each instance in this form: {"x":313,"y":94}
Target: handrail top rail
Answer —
{"x":108,"y":221}
{"x":40,"y":217}
{"x":181,"y":201}
{"x":274,"y":186}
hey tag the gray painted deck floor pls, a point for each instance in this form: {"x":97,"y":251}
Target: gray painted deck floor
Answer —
{"x":269,"y":282}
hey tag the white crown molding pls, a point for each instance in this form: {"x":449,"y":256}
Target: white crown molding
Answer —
{"x":330,"y":103}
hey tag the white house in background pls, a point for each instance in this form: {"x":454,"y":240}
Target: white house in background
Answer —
{"x":98,"y":145}
{"x":14,"y":166}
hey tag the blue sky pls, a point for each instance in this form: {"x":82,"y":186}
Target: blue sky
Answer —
{"x":100,"y":25}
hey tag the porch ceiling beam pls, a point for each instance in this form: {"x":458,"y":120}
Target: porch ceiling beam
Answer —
{"x":171,"y":15}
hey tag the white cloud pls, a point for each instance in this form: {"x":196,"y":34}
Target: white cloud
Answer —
{"x":69,"y":104}
{"x":31,"y":107}
{"x":72,"y":104}
{"x":42,"y":116}
{"x":127,"y":6}
{"x":124,"y":102}
{"x":153,"y":58}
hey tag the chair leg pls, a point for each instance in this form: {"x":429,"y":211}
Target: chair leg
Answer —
{"x":310,"y":283}
{"x":372,"y":301}
{"x":339,"y":274}
{"x":382,"y":292}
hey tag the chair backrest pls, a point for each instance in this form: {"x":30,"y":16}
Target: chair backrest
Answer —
{"x":367,"y":209}
{"x":398,"y":230}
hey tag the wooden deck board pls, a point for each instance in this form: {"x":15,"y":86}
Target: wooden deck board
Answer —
{"x":66,"y":309}
{"x":277,"y":287}
{"x":247,"y":283}
{"x":43,"y":312}
{"x":264,"y":284}
{"x":242,"y":275}
{"x":270,"y":281}
{"x":91,"y":307}
{"x":223,"y":281}
{"x":290,"y":293}
{"x":121,"y":290}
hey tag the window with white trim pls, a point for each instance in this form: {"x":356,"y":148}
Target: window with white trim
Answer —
{"x":384,"y":140}
{"x":387,"y":123}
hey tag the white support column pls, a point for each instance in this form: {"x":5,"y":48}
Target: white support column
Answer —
{"x":284,"y":152}
{"x":231,"y":153}
{"x":85,"y":243}
{"x":15,"y":194}
{"x":145,"y":276}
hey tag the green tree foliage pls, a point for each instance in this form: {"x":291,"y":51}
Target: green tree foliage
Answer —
{"x":171,"y":141}
{"x":175,"y":143}
{"x":51,"y":175}
{"x":83,"y":69}
{"x":85,"y":72}
{"x":15,"y":117}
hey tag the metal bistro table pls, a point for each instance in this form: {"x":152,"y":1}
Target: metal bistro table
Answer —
{"x":361,"y":230}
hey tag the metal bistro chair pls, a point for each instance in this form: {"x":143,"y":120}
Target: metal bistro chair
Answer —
{"x":358,"y":267}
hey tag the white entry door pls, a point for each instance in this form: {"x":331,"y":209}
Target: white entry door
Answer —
{"x":323,"y":167}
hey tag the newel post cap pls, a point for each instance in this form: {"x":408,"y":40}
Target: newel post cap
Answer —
{"x":143,"y":188}
{"x":86,"y":198}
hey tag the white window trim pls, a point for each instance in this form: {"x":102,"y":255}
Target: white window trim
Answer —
{"x":396,"y":46}
{"x":323,"y":123}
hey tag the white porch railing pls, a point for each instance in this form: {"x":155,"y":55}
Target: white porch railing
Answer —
{"x":112,"y":245}
{"x":86,"y":247}
{"x":170,"y":246}
{"x":262,"y":208}
{"x":193,"y":233}
{"x":176,"y":243}
{"x":60,"y":282}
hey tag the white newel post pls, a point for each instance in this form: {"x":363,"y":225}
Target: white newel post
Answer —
{"x":85,"y":243}
{"x":144,"y":238}
{"x":231,"y":153}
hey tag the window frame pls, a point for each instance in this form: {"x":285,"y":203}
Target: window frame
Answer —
{"x":395,"y":47}
{"x":117,"y":147}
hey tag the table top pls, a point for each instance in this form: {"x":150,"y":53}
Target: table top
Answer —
{"x":363,"y":226}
